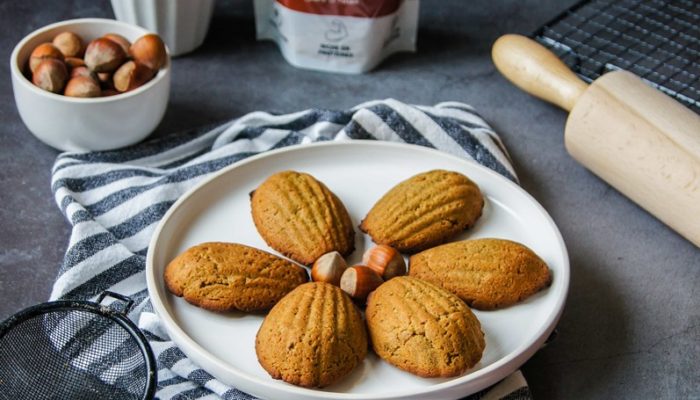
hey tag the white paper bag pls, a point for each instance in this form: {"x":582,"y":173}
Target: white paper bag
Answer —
{"x":349,"y":36}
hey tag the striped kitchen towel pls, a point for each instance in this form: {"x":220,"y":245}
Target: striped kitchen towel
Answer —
{"x":115,"y":199}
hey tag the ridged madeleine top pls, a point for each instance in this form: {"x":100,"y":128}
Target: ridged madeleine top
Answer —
{"x":424,"y":210}
{"x":301,"y":218}
{"x":485,"y":273}
{"x":229,"y":276}
{"x":313,"y":337}
{"x":423,"y":329}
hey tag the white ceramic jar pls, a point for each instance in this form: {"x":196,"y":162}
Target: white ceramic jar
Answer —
{"x":182,"y":24}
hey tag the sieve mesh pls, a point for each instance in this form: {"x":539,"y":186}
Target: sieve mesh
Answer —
{"x":73,"y":350}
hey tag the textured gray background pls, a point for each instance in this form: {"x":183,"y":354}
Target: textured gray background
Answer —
{"x":631,"y":326}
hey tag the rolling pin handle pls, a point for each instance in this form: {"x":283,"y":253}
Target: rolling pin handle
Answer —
{"x":536,"y":70}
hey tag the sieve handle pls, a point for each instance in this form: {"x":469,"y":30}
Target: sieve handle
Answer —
{"x":126,"y":299}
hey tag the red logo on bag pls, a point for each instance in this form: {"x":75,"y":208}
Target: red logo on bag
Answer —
{"x":347,"y":8}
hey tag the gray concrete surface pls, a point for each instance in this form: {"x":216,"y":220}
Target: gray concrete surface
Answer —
{"x":631,"y":326}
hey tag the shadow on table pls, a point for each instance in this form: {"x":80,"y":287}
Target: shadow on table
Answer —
{"x":588,"y":354}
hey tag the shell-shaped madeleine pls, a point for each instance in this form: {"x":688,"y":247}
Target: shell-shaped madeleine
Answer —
{"x":423,"y":329}
{"x":313,"y":337}
{"x":424,"y":210}
{"x":485,"y":273}
{"x":301,"y":218}
{"x":221,"y":276}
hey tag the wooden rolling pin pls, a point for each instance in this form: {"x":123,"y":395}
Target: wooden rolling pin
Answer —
{"x":637,"y":139}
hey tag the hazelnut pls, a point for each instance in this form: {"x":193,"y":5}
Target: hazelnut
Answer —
{"x":51,"y":74}
{"x":131,"y":75}
{"x":104,"y":77}
{"x":41,"y":53}
{"x":104,"y":55}
{"x":83,"y":71}
{"x":70,"y":44}
{"x":149,"y":50}
{"x":82,"y":86}
{"x":105,"y":80}
{"x":329,"y":268}
{"x":359,"y":281}
{"x":74,"y":62}
{"x":120,"y":40}
{"x":385,"y":260}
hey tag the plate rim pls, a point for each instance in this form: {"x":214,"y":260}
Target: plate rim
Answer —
{"x":489,"y":375}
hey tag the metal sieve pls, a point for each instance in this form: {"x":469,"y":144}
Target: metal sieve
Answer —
{"x":75,"y":350}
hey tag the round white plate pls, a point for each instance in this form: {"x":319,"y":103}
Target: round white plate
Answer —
{"x":359,"y":173}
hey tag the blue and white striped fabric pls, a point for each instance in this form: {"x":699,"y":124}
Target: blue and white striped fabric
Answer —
{"x":115,"y":199}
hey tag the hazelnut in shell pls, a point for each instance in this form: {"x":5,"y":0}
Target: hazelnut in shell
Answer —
{"x":83,"y":71}
{"x":70,"y":44}
{"x":104,"y":55}
{"x":120,"y":40}
{"x":82,"y":86}
{"x":329,"y":268}
{"x":131,"y":75}
{"x":51,"y":75}
{"x":359,"y":281}
{"x":73,"y":62}
{"x":385,"y":261}
{"x":105,"y":80}
{"x":41,"y":53}
{"x":149,"y":50}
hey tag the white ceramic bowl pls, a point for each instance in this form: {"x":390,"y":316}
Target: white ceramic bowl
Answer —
{"x":82,"y":124}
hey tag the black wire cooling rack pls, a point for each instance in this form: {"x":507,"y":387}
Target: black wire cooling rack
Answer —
{"x":658,"y":41}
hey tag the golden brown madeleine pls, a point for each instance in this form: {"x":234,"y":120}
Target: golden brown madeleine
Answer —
{"x":299,"y":217}
{"x":424,"y":210}
{"x":313,"y":337}
{"x":229,"y":276}
{"x":423,"y":329}
{"x":485,"y":273}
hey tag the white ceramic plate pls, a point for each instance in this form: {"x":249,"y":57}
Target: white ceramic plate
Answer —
{"x":358,"y":172}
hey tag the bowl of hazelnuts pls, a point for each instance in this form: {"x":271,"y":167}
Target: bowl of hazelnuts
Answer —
{"x":91,"y":84}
